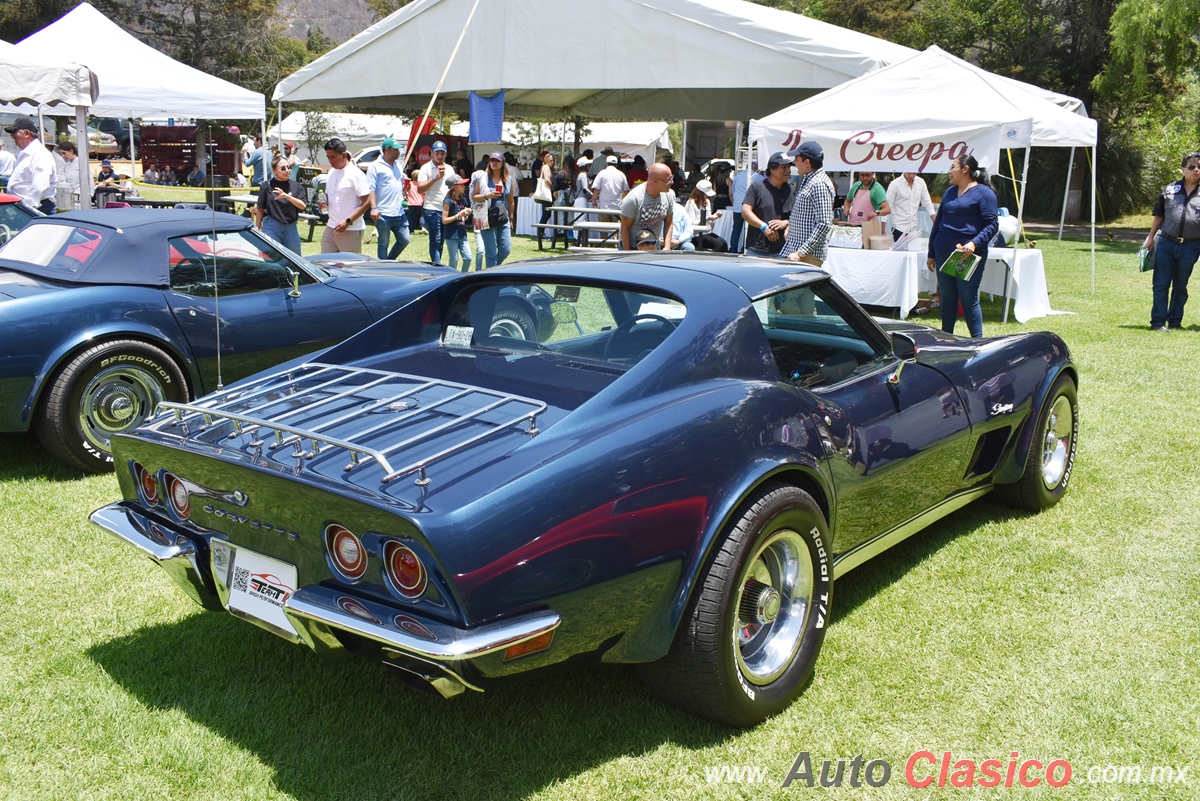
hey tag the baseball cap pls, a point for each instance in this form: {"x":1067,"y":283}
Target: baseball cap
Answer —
{"x":23,"y":124}
{"x":388,"y":143}
{"x":644,"y":237}
{"x":455,"y":180}
{"x":105,"y":163}
{"x":497,"y":156}
{"x":706,"y":187}
{"x":778,"y":158}
{"x":610,"y":159}
{"x":809,"y":150}
{"x":582,"y":161}
{"x":439,"y":145}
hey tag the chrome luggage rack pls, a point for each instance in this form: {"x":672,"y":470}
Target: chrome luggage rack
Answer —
{"x":314,"y":401}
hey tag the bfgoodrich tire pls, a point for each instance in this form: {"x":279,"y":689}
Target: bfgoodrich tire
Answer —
{"x":749,"y":642}
{"x":105,"y":390}
{"x":1051,"y":456}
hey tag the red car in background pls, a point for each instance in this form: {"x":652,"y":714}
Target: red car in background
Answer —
{"x":15,"y":214}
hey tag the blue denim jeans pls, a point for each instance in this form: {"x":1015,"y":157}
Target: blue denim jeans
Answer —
{"x":497,"y":243}
{"x":1173,"y":264}
{"x":955,"y":291}
{"x":459,"y":246}
{"x":386,"y":226}
{"x":286,"y":235}
{"x":432,"y":220}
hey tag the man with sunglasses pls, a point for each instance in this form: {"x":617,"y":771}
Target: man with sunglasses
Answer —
{"x":649,"y":207}
{"x":1177,"y":245}
{"x":349,"y":199}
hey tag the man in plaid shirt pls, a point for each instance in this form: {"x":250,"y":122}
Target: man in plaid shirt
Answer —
{"x":812,"y":210}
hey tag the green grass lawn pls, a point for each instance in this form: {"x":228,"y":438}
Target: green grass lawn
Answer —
{"x":1070,"y":635}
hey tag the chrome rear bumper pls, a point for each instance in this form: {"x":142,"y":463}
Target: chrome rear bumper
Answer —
{"x":420,"y":647}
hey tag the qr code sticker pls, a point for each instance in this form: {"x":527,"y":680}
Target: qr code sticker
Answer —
{"x":241,"y":579}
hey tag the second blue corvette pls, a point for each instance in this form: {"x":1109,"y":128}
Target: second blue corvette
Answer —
{"x":107,"y":313}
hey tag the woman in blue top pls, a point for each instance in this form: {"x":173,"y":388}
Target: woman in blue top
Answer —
{"x":966,"y":221}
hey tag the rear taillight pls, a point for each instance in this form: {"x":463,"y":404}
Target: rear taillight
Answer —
{"x":346,"y":552}
{"x":147,"y":485}
{"x":404,"y":570}
{"x":536,"y":645}
{"x":178,"y":497}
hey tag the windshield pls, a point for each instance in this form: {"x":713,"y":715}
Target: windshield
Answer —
{"x":61,"y":248}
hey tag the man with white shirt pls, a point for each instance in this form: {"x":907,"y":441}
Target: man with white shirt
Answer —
{"x":34,"y":176}
{"x":431,"y":182}
{"x":609,"y":188}
{"x":906,"y":195}
{"x":349,"y":199}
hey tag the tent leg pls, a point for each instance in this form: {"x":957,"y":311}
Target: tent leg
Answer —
{"x":85,"y":170}
{"x":1066,"y":194}
{"x":1095,"y":155}
{"x":1020,"y":222}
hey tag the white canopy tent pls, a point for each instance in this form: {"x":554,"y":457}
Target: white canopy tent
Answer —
{"x":31,"y":82}
{"x":633,"y":59}
{"x":358,"y":131}
{"x":136,"y":79}
{"x":919,"y":114}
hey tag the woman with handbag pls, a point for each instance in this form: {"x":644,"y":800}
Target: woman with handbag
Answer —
{"x":544,"y":193}
{"x":490,"y":189}
{"x":966,"y":221}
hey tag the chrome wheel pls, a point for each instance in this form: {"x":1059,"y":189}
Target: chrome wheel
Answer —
{"x":1056,"y":445}
{"x":774,"y":596}
{"x":117,"y":400}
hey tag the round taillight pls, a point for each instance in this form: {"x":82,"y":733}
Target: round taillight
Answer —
{"x":178,"y":496}
{"x":147,"y":485}
{"x":345,"y":551}
{"x":404,"y":569}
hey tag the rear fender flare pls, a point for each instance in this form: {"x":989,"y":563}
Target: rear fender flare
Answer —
{"x":803,"y":472}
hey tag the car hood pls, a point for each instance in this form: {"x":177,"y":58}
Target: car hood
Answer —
{"x":14,"y":285}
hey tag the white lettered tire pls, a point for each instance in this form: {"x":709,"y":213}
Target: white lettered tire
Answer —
{"x":749,"y":641}
{"x":105,"y":390}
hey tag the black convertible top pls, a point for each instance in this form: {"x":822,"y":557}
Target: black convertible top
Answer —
{"x":134,"y":243}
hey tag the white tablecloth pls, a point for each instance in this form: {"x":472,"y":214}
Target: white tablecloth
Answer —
{"x":893,"y":278}
{"x":528,"y":213}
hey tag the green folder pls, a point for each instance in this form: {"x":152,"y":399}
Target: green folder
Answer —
{"x":960,"y":265}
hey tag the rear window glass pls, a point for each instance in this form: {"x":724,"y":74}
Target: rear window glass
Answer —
{"x":63,"y":248}
{"x":580,"y":321}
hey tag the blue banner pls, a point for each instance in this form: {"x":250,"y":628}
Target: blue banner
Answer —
{"x":487,"y":117}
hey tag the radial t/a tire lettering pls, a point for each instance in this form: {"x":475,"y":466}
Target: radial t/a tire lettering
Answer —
{"x":105,"y":390}
{"x":749,"y":641}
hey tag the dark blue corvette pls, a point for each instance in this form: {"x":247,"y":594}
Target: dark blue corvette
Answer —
{"x":105,"y":313}
{"x":672,"y":473}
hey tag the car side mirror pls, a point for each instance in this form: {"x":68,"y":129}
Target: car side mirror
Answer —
{"x":295,"y":276}
{"x":904,"y":349}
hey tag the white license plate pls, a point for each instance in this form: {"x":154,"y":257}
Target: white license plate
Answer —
{"x":258,"y":587}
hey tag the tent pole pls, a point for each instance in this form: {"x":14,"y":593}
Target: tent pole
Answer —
{"x":1066,"y":193}
{"x":81,"y":148}
{"x":682,"y":156}
{"x":1095,"y":155}
{"x":132,"y":151}
{"x":433,"y":98}
{"x":279,"y":125}
{"x":1020,"y":228}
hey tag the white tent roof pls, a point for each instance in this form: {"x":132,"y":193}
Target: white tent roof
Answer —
{"x":26,"y":80}
{"x":135,"y":79}
{"x":928,"y":95}
{"x":619,"y":59}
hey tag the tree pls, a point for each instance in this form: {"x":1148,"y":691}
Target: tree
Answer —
{"x":19,"y":18}
{"x":385,"y":8}
{"x":1155,"y":45}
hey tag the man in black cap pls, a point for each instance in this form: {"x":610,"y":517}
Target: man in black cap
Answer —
{"x":34,"y":177}
{"x":812,"y":210}
{"x":766,"y":207}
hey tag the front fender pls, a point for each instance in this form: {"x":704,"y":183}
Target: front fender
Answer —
{"x":1011,"y":465}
